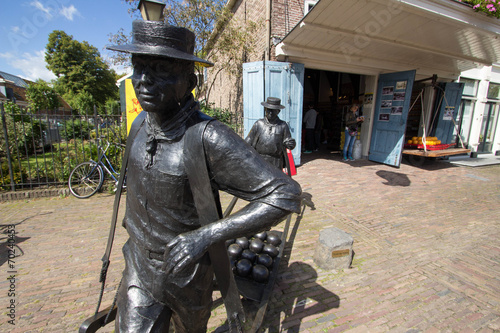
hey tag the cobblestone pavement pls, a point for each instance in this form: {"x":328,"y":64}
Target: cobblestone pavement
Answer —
{"x":426,"y":242}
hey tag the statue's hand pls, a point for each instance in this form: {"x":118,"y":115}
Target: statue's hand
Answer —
{"x":184,"y":250}
{"x":290,"y":144}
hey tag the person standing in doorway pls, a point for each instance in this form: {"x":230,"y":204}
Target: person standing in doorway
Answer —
{"x":351,"y":131}
{"x":310,"y":124}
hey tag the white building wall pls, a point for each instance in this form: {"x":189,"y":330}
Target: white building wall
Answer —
{"x":485,"y":76}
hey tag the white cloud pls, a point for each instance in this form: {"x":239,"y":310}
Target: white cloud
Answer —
{"x":52,"y":7}
{"x":38,"y":5}
{"x":119,"y":69}
{"x":69,"y":12}
{"x":32,"y":65}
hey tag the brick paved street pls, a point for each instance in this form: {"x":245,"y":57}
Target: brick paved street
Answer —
{"x":426,"y":239}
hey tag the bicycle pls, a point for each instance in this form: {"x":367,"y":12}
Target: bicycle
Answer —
{"x":87,"y":178}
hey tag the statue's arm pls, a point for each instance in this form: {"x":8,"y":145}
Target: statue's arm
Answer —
{"x":188,"y":247}
{"x":288,"y":141}
{"x":252,"y":136}
{"x":240,"y":171}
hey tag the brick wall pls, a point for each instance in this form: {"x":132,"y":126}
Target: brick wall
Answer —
{"x":227,"y":90}
{"x":285,"y":15}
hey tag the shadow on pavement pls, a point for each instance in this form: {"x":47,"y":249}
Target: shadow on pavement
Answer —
{"x":394,"y":178}
{"x":9,"y":243}
{"x":295,"y":307}
{"x":427,"y":163}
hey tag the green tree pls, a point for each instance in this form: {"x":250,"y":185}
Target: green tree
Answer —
{"x":113,"y":107}
{"x":83,"y":102}
{"x":217,"y":38}
{"x":120,"y":58}
{"x":199,"y":16}
{"x":41,"y":96}
{"x":80,"y":71}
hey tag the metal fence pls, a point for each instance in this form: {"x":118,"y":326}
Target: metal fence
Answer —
{"x":39,"y":150}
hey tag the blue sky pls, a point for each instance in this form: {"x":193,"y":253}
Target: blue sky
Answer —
{"x":26,"y":24}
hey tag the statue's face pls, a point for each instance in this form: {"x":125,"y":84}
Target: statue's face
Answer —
{"x":272,"y":114}
{"x":160,"y":84}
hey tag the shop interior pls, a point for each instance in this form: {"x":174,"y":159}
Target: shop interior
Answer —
{"x":332,"y":93}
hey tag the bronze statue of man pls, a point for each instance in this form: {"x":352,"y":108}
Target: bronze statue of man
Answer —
{"x":270,"y":135}
{"x":168,"y":273}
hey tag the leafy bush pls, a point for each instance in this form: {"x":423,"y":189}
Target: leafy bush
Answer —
{"x":76,"y":129}
{"x":24,"y":134}
{"x":223,"y":115}
{"x":19,"y":174}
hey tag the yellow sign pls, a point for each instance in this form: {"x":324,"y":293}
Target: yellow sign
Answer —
{"x":131,"y":103}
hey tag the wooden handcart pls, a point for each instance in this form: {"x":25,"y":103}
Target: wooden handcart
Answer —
{"x":417,"y":155}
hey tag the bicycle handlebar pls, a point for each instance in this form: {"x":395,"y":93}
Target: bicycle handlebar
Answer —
{"x":100,"y":140}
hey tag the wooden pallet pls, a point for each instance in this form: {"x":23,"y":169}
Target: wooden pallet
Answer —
{"x":436,"y":153}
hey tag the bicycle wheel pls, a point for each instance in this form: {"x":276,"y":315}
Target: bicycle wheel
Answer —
{"x":85,"y":180}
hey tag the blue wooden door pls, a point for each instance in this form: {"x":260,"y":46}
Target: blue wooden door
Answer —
{"x":389,"y":121}
{"x":448,"y":110}
{"x":274,"y":79}
{"x":253,"y":94}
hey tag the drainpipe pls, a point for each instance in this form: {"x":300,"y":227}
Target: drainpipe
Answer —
{"x":268,"y":30}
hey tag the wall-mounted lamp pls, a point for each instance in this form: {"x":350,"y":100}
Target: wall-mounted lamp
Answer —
{"x":151,"y":10}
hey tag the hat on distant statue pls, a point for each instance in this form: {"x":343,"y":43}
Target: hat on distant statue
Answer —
{"x":273,"y":103}
{"x":159,"y":39}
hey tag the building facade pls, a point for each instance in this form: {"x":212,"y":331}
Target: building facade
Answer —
{"x":274,"y":19}
{"x":478,"y":119}
{"x":13,"y":89}
{"x":350,"y":49}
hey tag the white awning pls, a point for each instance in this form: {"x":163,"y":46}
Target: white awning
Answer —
{"x":442,"y":37}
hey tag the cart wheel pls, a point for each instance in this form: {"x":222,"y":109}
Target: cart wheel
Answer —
{"x":416,"y":160}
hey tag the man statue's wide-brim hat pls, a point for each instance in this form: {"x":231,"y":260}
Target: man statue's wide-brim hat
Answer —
{"x":163,"y":40}
{"x":273,"y":103}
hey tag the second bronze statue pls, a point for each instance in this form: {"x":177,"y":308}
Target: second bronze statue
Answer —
{"x":270,"y":135}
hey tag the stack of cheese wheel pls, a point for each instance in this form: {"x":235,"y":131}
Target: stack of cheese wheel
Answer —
{"x":429,"y":141}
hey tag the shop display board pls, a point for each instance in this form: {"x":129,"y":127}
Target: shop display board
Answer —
{"x":391,"y":112}
{"x":446,"y":117}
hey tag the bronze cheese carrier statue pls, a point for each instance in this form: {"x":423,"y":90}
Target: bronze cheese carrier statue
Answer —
{"x":178,"y":159}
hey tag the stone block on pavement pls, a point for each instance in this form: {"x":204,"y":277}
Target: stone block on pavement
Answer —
{"x":334,"y":249}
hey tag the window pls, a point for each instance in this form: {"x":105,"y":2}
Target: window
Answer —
{"x":470,"y":87}
{"x":494,"y":91}
{"x":465,"y":114}
{"x":464,"y":121}
{"x":488,"y":128}
{"x":308,"y":5}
